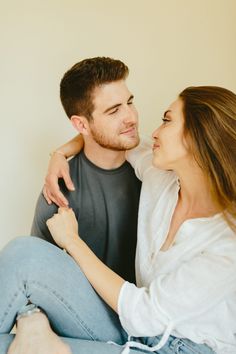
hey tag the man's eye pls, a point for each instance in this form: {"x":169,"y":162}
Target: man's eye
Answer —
{"x":131,"y":102}
{"x":114,"y":111}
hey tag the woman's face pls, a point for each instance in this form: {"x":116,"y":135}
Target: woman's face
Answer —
{"x":170,"y":148}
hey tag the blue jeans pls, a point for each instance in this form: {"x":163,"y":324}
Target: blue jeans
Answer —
{"x":35,"y":270}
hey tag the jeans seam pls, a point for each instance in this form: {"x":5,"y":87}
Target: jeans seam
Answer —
{"x":10,"y":305}
{"x":68,"y":308}
{"x":189,"y":347}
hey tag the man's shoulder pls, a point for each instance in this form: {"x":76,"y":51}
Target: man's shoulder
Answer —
{"x":75,"y":159}
{"x":43,"y":209}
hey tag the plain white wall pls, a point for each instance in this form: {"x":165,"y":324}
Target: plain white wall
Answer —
{"x":168,"y":45}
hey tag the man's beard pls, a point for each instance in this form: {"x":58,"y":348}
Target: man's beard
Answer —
{"x":111,"y":144}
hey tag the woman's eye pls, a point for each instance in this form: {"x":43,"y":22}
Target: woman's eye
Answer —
{"x":131,"y":102}
{"x":165,"y":120}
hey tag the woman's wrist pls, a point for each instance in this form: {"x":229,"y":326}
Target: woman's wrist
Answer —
{"x":58,"y":151}
{"x":71,"y":148}
{"x":74,"y":244}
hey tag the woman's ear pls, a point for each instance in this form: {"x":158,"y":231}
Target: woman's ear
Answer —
{"x":80,"y":123}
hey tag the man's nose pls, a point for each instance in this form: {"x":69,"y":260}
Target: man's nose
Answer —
{"x":131,"y":115}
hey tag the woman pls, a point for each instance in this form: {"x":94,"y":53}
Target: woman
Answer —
{"x":186,"y":257}
{"x":185,"y":299}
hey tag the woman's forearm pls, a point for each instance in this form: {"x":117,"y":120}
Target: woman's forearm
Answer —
{"x":106,"y":282}
{"x":72,"y":147}
{"x":63,"y":227}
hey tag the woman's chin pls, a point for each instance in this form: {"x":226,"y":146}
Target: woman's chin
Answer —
{"x":158,"y":164}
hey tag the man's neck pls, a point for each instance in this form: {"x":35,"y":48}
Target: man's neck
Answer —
{"x":102,"y":157}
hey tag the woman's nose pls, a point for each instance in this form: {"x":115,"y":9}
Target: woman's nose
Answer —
{"x":155,"y":133}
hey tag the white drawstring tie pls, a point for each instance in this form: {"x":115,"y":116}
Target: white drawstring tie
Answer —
{"x":131,"y":344}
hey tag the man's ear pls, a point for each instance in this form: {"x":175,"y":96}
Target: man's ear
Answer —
{"x":80,"y":123}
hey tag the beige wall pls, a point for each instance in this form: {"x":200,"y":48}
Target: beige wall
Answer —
{"x":168,"y":45}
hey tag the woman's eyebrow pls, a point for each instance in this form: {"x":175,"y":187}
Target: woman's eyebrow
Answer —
{"x":130,"y":98}
{"x":166,"y":112}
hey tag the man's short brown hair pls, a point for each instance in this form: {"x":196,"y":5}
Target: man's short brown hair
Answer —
{"x":78,"y":83}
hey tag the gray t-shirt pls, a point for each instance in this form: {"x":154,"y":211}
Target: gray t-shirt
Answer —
{"x":105,"y":203}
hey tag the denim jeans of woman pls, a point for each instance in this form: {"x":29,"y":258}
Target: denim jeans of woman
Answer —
{"x":34,"y":270}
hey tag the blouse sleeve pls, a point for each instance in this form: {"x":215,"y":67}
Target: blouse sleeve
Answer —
{"x":192,"y":288}
{"x":140,"y":157}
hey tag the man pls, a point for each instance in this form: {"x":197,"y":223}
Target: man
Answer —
{"x":100,"y":106}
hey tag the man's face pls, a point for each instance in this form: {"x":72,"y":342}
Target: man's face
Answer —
{"x":115,"y":118}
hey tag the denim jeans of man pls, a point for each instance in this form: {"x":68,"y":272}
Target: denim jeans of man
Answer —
{"x":34,"y":270}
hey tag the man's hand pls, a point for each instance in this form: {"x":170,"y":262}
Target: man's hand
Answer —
{"x":58,"y":168}
{"x":35,"y":336}
{"x":63,"y":227}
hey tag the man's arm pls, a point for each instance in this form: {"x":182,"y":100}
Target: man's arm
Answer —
{"x":58,"y":168}
{"x":42,"y":212}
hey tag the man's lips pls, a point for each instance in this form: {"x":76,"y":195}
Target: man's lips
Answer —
{"x":129,"y":131}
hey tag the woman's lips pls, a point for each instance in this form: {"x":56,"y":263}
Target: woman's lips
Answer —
{"x":155,"y":146}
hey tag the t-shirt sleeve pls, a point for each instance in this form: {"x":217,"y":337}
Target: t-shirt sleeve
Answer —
{"x":43,"y":212}
{"x":140,"y":157}
{"x":192,"y":288}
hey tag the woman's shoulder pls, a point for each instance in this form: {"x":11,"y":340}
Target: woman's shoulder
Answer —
{"x":225,"y":243}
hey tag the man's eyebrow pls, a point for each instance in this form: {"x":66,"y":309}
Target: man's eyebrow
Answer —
{"x":130,"y":98}
{"x":112,"y":107}
{"x":117,"y":105}
{"x":166,"y":112}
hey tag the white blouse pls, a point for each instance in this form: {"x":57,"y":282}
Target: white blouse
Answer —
{"x":188,"y":291}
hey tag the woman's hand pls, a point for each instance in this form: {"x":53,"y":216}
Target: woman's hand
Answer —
{"x":63,"y":227}
{"x":58,"y":168}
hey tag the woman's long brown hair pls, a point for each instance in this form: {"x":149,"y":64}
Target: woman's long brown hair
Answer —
{"x":210,"y":128}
